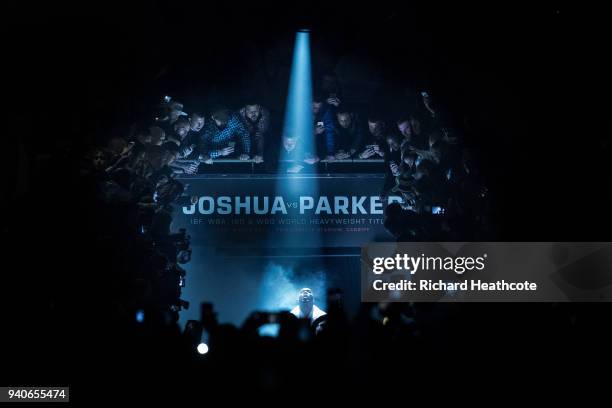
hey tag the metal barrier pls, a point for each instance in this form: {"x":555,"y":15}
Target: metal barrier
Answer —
{"x":322,"y":166}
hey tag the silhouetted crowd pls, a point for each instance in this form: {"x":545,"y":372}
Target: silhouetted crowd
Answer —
{"x":377,"y":351}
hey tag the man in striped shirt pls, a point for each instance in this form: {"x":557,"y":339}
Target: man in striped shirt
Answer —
{"x":256,"y":119}
{"x":224,"y":135}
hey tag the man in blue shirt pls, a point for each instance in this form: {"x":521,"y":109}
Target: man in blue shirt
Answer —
{"x":223,"y":135}
{"x":324,"y":127}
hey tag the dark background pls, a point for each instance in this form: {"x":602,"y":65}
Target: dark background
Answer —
{"x":532,"y":82}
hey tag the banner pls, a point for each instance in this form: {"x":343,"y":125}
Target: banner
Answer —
{"x":338,"y":210}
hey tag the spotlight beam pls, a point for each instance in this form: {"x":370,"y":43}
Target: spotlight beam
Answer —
{"x":298,"y":125}
{"x":298,"y":111}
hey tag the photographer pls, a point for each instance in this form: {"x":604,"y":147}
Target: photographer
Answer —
{"x":375,"y":140}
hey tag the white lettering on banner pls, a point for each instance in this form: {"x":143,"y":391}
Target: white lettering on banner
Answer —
{"x":279,"y":206}
{"x":211,"y":205}
{"x":246,"y":205}
{"x":189,"y":210}
{"x":376,"y":206}
{"x":341,"y":208}
{"x":264,"y":208}
{"x":304,"y":206}
{"x":323,"y":206}
{"x":358,"y":205}
{"x":226,"y":205}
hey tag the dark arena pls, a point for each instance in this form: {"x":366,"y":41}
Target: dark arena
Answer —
{"x":303,"y":201}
